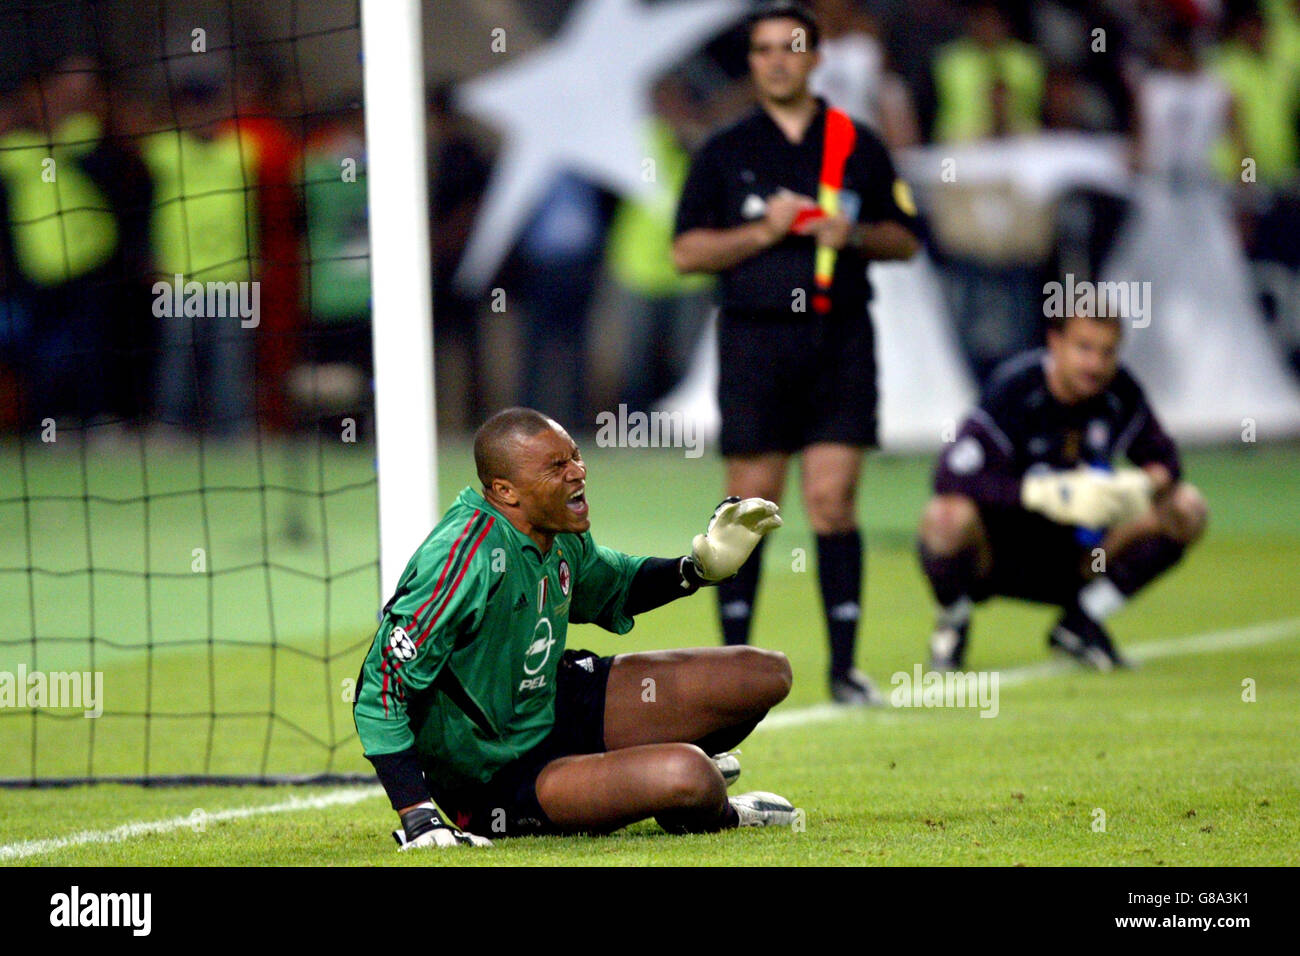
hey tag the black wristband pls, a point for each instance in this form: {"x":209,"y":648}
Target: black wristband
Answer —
{"x":659,"y":581}
{"x":402,"y":777}
{"x":420,"y":820}
{"x":691,"y":577}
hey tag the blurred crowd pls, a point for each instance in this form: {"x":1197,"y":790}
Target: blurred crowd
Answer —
{"x":233,"y":173}
{"x":115,"y":206}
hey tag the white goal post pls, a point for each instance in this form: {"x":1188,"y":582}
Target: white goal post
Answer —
{"x":400,"y":278}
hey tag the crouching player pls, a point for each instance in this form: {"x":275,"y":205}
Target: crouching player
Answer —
{"x":469,"y":698}
{"x":1026,"y":504}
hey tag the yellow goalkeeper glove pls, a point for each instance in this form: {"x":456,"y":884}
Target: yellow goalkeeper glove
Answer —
{"x":1086,"y":497}
{"x":733,"y":532}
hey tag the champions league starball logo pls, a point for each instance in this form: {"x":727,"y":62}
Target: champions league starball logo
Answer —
{"x":401,"y":645}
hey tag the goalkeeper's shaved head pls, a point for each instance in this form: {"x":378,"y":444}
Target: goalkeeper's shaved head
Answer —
{"x":533,"y":474}
{"x":498,"y":439}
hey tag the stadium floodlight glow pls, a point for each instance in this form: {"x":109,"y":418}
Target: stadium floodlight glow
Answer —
{"x":401,"y":306}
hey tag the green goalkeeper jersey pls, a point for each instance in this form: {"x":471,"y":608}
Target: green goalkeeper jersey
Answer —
{"x":464,"y":663}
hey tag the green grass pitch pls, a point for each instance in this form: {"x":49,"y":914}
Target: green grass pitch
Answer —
{"x":1170,"y":759}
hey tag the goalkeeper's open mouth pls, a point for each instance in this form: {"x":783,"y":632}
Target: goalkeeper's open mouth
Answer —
{"x":578,"y":501}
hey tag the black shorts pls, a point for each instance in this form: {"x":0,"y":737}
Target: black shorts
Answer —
{"x":507,"y":804}
{"x":783,"y":385}
{"x":1033,"y":559}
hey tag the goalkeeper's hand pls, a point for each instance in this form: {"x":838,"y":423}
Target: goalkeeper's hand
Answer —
{"x":733,"y":532}
{"x":423,"y":826}
{"x":1135,"y":490}
{"x":1087,"y":497}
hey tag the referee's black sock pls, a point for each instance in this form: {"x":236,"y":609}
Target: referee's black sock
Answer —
{"x":839,"y":571}
{"x":736,"y":599}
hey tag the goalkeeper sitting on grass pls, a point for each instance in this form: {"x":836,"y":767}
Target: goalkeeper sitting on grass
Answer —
{"x":479,"y":721}
{"x":1027,"y":505}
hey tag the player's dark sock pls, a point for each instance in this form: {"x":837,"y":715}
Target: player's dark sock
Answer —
{"x":951,"y":576}
{"x":698,"y":821}
{"x":1144,"y":561}
{"x":839,"y":571}
{"x":1139,"y":564}
{"x":736,"y":599}
{"x":720,"y":741}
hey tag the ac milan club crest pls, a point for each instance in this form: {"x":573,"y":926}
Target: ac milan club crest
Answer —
{"x":565,"y":579}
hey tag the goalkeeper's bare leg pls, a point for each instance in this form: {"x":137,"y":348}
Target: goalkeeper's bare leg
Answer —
{"x":709,"y":696}
{"x":665,"y":713}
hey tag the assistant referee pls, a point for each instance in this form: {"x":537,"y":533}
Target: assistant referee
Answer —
{"x":796,"y":347}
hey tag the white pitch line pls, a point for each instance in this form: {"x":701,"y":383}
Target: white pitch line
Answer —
{"x":1205,"y":643}
{"x":129,"y":831}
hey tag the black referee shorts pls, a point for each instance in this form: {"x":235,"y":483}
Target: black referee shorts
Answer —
{"x":785,"y":383}
{"x":507,"y":804}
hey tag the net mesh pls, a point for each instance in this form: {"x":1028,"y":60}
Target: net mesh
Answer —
{"x":188,"y":542}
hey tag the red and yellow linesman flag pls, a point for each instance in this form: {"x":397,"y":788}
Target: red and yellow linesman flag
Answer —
{"x":841,"y":137}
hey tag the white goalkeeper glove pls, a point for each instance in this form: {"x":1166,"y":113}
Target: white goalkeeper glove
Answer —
{"x":1087,"y":497}
{"x":733,"y":532}
{"x":423,"y":826}
{"x":1135,"y":491}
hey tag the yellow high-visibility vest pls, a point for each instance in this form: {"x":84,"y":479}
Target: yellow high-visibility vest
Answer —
{"x":965,"y":74}
{"x":205,"y":205}
{"x":60,"y":220}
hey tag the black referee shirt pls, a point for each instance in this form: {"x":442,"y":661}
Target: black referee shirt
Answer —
{"x":740,"y":166}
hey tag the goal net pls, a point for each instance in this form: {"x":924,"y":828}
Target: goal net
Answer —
{"x":188,"y":531}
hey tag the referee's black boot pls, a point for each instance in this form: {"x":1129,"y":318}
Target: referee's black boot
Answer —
{"x":855,"y":689}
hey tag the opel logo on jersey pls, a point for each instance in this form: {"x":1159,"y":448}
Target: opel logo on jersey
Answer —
{"x":565,"y":577}
{"x":400,"y":643}
{"x":539,"y":651}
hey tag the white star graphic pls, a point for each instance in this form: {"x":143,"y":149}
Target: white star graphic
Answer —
{"x":581,"y":103}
